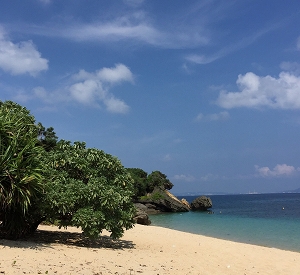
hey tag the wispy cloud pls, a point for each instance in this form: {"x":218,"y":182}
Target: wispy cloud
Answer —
{"x":134,"y":27}
{"x":255,"y":92}
{"x":277,"y":171}
{"x":200,"y":58}
{"x":213,"y":117}
{"x":293,"y":67}
{"x":134,"y":3}
{"x":186,"y":178}
{"x":158,"y":138}
{"x":167,"y":157}
{"x":20,"y":58}
{"x":209,"y":177}
{"x":45,"y":1}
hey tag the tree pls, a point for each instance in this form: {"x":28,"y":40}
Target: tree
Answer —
{"x":87,"y":188}
{"x":20,"y":170}
{"x":139,"y":177}
{"x":47,"y":137}
{"x":158,"y":179}
{"x":66,"y":183}
{"x":144,"y":183}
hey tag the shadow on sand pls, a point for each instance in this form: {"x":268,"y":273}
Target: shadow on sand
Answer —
{"x":44,"y":238}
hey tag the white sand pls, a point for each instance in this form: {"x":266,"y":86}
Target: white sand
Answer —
{"x":143,"y":250}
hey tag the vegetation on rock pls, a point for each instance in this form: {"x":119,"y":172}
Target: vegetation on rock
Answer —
{"x":145,"y":184}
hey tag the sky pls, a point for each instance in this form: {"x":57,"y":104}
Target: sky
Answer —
{"x":207,"y":91}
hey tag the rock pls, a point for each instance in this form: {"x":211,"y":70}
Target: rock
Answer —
{"x":140,"y":206}
{"x":163,"y":201}
{"x":185,"y":202}
{"x":151,"y":209}
{"x":141,"y":217}
{"x":201,"y":203}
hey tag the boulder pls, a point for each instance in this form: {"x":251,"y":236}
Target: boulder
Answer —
{"x":151,"y":209}
{"x":201,"y":203}
{"x":141,"y":217}
{"x":163,"y":201}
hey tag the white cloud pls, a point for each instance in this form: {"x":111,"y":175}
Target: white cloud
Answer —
{"x":213,"y":117}
{"x":20,"y":58}
{"x":117,"y":74}
{"x":255,"y":91}
{"x":278,"y":170}
{"x":87,"y":92}
{"x":187,"y":178}
{"x":115,"y":105}
{"x":91,"y":89}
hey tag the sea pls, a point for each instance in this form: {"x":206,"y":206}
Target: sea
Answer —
{"x":271,"y":220}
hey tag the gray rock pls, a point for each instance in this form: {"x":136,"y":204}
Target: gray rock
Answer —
{"x":163,"y":201}
{"x":140,"y":206}
{"x":141,"y":217}
{"x":201,"y":203}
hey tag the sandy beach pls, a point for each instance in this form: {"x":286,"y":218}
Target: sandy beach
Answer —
{"x":142,"y":250}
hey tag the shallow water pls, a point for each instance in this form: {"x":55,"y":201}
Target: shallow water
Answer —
{"x":271,"y":220}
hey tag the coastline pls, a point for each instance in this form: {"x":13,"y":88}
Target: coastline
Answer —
{"x":142,"y":250}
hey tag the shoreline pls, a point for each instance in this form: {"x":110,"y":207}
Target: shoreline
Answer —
{"x":229,"y":240}
{"x":142,"y":250}
{"x":233,"y":240}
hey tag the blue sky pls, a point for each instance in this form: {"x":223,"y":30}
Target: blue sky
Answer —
{"x":208,"y":92}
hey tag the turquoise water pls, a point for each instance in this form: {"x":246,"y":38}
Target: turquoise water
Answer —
{"x":271,"y":220}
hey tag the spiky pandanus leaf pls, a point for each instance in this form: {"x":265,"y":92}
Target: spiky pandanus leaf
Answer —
{"x":20,"y":168}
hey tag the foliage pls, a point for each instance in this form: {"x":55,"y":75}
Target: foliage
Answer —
{"x":139,"y":177}
{"x":89,"y":189}
{"x":63,"y":183}
{"x":145,"y":184}
{"x":20,"y":169}
{"x":45,"y":180}
{"x":158,"y":179}
{"x":155,"y":196}
{"x":47,"y":137}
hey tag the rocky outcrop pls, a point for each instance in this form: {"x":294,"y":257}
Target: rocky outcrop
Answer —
{"x":141,"y":217}
{"x":185,"y":202}
{"x":201,"y":203}
{"x":163,"y":201}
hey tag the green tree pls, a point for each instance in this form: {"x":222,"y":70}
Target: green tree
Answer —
{"x":139,"y":177}
{"x":87,"y":188}
{"x":158,"y":179}
{"x":69,"y":183}
{"x":20,"y":170}
{"x":47,"y":137}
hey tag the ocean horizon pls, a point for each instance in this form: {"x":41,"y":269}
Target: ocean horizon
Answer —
{"x":271,"y":220}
